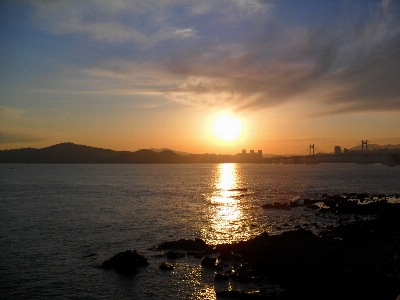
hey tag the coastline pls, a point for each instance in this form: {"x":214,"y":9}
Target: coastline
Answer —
{"x":356,"y":260}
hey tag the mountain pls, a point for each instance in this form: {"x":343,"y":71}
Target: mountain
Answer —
{"x":390,"y":146}
{"x":73,"y":153}
{"x":378,"y":147}
{"x":164,"y":149}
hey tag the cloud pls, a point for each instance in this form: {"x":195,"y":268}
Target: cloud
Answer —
{"x":143,"y":22}
{"x":347,"y":67}
{"x":185,"y":33}
{"x":242,"y":54}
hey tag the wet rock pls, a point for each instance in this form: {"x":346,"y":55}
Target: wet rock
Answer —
{"x":195,"y":245}
{"x":209,"y":262}
{"x":221,"y":276}
{"x":219,"y":266}
{"x":125,"y":262}
{"x":166,"y":266}
{"x":229,"y":256}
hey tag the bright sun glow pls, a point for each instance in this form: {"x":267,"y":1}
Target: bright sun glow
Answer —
{"x":227,"y":128}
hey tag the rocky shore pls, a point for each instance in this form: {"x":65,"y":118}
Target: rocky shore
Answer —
{"x":356,"y":260}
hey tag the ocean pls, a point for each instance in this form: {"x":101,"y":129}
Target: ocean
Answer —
{"x":54,"y":216}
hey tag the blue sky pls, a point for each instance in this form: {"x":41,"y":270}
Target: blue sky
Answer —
{"x":139,"y":74}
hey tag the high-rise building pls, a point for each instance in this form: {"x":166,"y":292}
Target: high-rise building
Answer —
{"x":338,"y":150}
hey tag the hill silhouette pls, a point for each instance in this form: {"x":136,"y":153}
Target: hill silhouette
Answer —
{"x":72,"y":153}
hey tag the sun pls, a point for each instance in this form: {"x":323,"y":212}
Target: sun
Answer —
{"x":227,"y":127}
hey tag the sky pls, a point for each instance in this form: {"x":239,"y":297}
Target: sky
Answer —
{"x":133,"y":74}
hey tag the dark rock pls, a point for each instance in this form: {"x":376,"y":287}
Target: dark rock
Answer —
{"x":231,"y":273}
{"x":229,"y":256}
{"x":166,"y":266}
{"x":209,"y":262}
{"x":125,"y":262}
{"x":221,"y":276}
{"x":195,"y":245}
{"x":219,"y":266}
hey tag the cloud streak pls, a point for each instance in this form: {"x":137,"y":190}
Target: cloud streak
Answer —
{"x":246,"y":55}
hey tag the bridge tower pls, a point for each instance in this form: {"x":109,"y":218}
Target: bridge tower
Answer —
{"x":364,"y":151}
{"x":312,"y":150}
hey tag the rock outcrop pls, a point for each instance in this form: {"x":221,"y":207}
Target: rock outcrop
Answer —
{"x":125,"y":262}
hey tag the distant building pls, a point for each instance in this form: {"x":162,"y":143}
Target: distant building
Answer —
{"x":250,"y":157}
{"x":338,"y":150}
{"x":345,"y":150}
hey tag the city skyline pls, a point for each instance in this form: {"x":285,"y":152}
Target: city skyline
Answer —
{"x":311,"y":149}
{"x":200,"y":76}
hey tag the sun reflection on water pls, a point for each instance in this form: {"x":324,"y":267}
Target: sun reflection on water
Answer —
{"x":225,"y":215}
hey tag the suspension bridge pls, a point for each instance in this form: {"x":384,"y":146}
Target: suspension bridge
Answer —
{"x":365,"y":152}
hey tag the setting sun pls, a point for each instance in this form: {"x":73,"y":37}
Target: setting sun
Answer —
{"x":226,"y":127}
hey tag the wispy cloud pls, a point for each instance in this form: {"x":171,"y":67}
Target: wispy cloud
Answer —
{"x":144,"y":22}
{"x":246,"y":54}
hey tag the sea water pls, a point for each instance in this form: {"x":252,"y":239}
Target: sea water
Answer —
{"x":53,"y":216}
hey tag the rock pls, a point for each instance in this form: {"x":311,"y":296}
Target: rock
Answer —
{"x":166,"y":266}
{"x":229,"y":256}
{"x":195,"y":245}
{"x":209,"y":262}
{"x":219,"y":266}
{"x":125,"y":262}
{"x":221,"y":276}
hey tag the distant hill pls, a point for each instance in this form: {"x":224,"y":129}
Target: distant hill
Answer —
{"x":376,"y":146}
{"x":164,"y":149}
{"x":70,"y":153}
{"x":390,"y":146}
{"x":73,"y":153}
